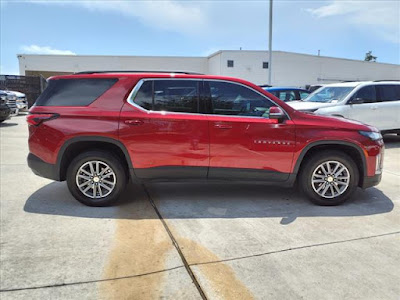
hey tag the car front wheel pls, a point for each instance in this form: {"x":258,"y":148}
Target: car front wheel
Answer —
{"x":329,"y":178}
{"x":96,"y":178}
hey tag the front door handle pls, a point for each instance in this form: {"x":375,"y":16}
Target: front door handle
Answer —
{"x":222,"y":126}
{"x":134,"y":122}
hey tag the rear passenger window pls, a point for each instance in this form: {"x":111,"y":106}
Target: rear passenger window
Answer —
{"x":389,"y":92}
{"x":144,"y":96}
{"x":74,"y":92}
{"x":234,"y":99}
{"x":368,"y":94}
{"x":176,"y":95}
{"x":169,"y":95}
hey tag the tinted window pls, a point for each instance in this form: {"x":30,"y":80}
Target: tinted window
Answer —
{"x":233,"y":99}
{"x":303,"y":94}
{"x":169,"y":95}
{"x":367,"y":93}
{"x":287,"y":95}
{"x":176,"y":95}
{"x":389,"y":92}
{"x":74,"y":92}
{"x":144,"y":96}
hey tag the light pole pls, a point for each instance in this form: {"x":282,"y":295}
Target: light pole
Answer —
{"x":270,"y":44}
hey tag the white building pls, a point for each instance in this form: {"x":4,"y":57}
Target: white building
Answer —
{"x":290,"y":69}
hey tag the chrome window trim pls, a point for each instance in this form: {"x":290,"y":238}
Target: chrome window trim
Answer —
{"x":138,"y":85}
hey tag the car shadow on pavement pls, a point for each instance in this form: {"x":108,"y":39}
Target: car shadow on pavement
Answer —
{"x":391,"y":141}
{"x":7,"y":124}
{"x":206,"y":200}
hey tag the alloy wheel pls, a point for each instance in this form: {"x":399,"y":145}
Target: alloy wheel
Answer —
{"x":96,"y":179}
{"x":330,"y":179}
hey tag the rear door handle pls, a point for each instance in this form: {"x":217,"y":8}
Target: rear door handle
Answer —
{"x":222,"y":126}
{"x":134,"y":122}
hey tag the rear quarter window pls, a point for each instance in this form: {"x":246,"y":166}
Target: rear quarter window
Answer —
{"x":389,"y":92}
{"x":74,"y":92}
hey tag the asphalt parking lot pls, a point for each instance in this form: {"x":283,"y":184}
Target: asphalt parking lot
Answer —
{"x":237,"y":241}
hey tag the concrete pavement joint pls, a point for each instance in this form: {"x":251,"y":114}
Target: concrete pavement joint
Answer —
{"x":295,"y":248}
{"x":175,"y":243}
{"x":87,"y":282}
{"x":391,"y":173}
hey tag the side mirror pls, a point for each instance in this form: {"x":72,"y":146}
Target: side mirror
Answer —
{"x":276,"y":113}
{"x":357,"y":101}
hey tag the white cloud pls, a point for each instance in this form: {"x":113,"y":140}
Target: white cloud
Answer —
{"x":35,"y":49}
{"x":382,"y":18}
{"x":177,"y":16}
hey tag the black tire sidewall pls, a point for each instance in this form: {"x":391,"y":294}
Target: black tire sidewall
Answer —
{"x":110,"y":160}
{"x":306,"y":174}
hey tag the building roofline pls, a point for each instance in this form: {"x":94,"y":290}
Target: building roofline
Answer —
{"x":304,"y":54}
{"x":207,"y":57}
{"x":215,"y":53}
{"x":341,"y":58}
{"x":96,"y":55}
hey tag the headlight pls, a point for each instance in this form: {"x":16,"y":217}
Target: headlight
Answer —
{"x":371,"y":135}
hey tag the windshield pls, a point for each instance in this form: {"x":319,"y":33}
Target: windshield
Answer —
{"x":329,"y":94}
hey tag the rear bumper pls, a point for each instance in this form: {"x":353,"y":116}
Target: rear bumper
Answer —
{"x":42,"y":168}
{"x":370,"y":181}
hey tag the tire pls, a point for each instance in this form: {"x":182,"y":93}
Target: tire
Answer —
{"x":98,"y":194}
{"x":311,"y":175}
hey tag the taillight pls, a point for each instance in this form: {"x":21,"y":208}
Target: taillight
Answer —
{"x":37,"y":119}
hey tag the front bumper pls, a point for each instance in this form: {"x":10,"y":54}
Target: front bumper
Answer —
{"x":370,"y":181}
{"x":42,"y":168}
{"x":22,"y":106}
{"x":4,"y":113}
{"x":14,"y":112}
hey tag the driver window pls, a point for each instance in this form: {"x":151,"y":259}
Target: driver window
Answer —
{"x":367,"y":93}
{"x":234,"y":99}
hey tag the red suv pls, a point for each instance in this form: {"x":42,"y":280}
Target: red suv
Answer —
{"x":98,"y":129}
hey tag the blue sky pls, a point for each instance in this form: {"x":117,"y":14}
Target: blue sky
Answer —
{"x":338,"y":28}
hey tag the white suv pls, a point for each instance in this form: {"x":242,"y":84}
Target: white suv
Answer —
{"x":375,"y":103}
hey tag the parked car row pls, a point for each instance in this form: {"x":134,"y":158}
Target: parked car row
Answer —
{"x":376,"y":103}
{"x":360,"y":101}
{"x":12,"y":103}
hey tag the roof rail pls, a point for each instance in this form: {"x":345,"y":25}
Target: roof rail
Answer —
{"x":136,"y":71}
{"x":386,"y":80}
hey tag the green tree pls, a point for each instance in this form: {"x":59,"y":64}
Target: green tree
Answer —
{"x":370,"y":57}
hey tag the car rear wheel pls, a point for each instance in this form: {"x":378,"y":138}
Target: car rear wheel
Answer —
{"x":329,"y":178}
{"x":96,"y":178}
